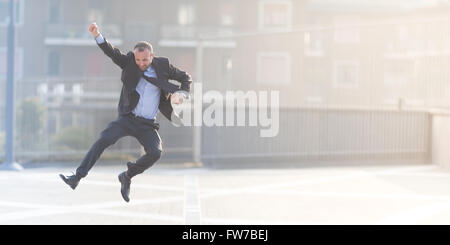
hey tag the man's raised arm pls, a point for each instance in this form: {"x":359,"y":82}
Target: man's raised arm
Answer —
{"x":114,"y":53}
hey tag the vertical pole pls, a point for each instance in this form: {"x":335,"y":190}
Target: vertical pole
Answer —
{"x":197,"y":134}
{"x":9,"y":163}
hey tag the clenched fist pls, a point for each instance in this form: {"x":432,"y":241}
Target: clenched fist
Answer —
{"x":93,"y":29}
{"x":176,"y":98}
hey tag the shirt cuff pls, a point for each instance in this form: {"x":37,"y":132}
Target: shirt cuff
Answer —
{"x":185,"y":96}
{"x":100,"y":39}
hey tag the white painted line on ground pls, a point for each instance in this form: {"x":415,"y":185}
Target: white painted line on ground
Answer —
{"x":192,"y":208}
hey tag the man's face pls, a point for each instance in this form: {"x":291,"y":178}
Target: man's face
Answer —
{"x":143,"y":58}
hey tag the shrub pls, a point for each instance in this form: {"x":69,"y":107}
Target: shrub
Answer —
{"x":72,"y":138}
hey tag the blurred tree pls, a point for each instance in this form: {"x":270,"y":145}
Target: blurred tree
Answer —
{"x":30,"y":124}
{"x":72,"y":138}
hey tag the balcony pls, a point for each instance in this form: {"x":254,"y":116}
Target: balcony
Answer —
{"x":187,"y":36}
{"x":78,"y":35}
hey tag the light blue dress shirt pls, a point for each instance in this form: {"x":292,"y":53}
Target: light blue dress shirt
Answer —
{"x":148,"y":104}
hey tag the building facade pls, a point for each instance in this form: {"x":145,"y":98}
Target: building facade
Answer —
{"x":316,"y":53}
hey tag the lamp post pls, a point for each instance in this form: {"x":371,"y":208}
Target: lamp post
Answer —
{"x":9,"y":163}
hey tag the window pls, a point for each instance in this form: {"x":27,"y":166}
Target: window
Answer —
{"x":275,"y":14}
{"x":186,"y":14}
{"x":18,"y":12}
{"x":274,"y":68}
{"x":53,"y":68}
{"x":18,"y":61}
{"x":346,"y":74}
{"x":226,"y":13}
{"x":54,"y":11}
{"x":314,"y":43}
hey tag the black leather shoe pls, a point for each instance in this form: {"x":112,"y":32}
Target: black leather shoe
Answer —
{"x":72,"y":180}
{"x":125,"y":186}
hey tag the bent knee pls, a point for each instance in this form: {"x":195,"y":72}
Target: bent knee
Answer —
{"x":154,"y":153}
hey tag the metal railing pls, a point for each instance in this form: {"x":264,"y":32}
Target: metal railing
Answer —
{"x":326,"y":134}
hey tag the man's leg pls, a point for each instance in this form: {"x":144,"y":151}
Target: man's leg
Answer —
{"x":152,"y":144}
{"x":151,"y":141}
{"x":108,"y":137}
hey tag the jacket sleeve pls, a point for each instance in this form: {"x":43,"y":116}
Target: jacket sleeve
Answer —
{"x":181,"y":76}
{"x":114,"y":53}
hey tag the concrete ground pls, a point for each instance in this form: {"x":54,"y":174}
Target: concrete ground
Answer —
{"x":406,"y":194}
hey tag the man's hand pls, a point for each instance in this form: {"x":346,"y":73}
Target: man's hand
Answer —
{"x":93,"y":29}
{"x":176,"y":98}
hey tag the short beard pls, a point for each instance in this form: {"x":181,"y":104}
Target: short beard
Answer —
{"x":145,"y":68}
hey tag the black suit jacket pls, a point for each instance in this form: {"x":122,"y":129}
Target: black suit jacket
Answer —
{"x":131,"y":74}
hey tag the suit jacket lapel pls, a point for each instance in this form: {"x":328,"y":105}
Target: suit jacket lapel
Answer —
{"x":159,"y":82}
{"x":156,"y":67}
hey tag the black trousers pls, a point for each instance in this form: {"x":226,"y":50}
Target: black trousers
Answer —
{"x":144,"y":130}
